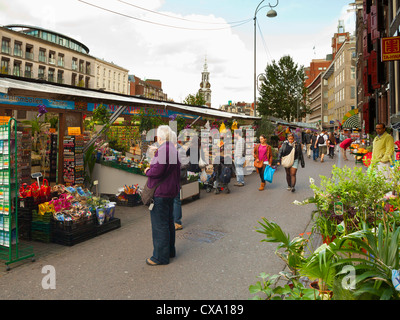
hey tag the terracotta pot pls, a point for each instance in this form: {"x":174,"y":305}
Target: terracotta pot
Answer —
{"x":325,"y":294}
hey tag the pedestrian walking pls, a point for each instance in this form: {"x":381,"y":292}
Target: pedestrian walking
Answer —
{"x":314,"y":146}
{"x":331,"y":142}
{"x":263,"y":155}
{"x":321,"y":144}
{"x":382,"y":151}
{"x":239,"y":157}
{"x":164,"y":171}
{"x":308,"y":141}
{"x":291,"y":172}
{"x":343,"y":147}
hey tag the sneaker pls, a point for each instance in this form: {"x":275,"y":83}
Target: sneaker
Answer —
{"x":239,"y":184}
{"x":289,"y":188}
{"x":178,"y":226}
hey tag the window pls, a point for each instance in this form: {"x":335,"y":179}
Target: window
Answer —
{"x":52,"y":57}
{"x":28,"y":71}
{"x":60,"y":61}
{"x":5,"y":46}
{"x":74,"y":64}
{"x":73,"y":79}
{"x":51,"y":75}
{"x":18,"y":49}
{"x":17,"y":68}
{"x":353,"y":72}
{"x":29,"y":52}
{"x":60,"y":76}
{"x":42,"y":55}
{"x":5,"y":65}
{"x":41,"y":73}
{"x":352,"y":92}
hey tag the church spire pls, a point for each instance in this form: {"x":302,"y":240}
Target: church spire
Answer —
{"x":205,"y":85}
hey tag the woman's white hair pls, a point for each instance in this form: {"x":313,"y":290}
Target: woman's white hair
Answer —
{"x":164,"y":133}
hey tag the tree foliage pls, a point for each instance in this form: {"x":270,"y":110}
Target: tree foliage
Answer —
{"x":282,"y":92}
{"x":196,"y":100}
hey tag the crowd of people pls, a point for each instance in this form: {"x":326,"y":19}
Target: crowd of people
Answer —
{"x":165,"y":173}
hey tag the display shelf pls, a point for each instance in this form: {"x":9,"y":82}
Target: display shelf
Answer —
{"x":73,"y":160}
{"x":10,"y":249}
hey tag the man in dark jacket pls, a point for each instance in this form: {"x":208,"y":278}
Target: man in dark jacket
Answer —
{"x":164,"y":169}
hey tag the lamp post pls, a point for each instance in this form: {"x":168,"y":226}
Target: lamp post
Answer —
{"x":271,"y":14}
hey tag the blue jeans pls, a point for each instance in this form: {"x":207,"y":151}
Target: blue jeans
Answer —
{"x":178,"y":209}
{"x":239,"y":162}
{"x":315,"y":153}
{"x":163,"y":230}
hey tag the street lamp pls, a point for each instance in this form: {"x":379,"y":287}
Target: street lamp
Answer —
{"x":270,"y":14}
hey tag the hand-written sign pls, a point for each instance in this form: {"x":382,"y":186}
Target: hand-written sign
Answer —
{"x":74,"y":131}
{"x":4,"y":120}
{"x":390,"y":48}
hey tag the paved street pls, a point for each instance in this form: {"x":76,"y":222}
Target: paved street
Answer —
{"x":219,"y":254}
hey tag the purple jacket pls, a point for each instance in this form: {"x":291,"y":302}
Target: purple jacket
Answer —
{"x":164,"y":162}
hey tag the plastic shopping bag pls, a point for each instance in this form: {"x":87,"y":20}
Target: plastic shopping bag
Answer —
{"x":269,"y":173}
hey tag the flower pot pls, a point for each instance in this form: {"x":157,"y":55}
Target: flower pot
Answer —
{"x":324,"y":294}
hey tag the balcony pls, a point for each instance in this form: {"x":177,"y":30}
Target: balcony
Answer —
{"x":42,"y":59}
{"x":52,"y":61}
{"x":60,"y":80}
{"x":29,"y":55}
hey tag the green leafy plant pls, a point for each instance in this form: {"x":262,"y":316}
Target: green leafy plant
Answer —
{"x":271,"y":291}
{"x":375,"y":262}
{"x":293,"y":253}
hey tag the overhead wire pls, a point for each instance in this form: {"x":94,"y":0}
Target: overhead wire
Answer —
{"x":179,"y":18}
{"x":264,"y":43}
{"x":161,"y":24}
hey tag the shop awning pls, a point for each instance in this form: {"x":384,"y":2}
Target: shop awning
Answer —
{"x":12,"y":89}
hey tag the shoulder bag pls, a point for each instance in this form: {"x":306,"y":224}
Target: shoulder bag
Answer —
{"x":288,"y":160}
{"x":147,"y":193}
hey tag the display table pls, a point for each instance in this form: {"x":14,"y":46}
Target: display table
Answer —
{"x":111,"y":179}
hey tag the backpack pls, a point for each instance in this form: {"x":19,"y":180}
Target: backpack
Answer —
{"x":321,"y":139}
{"x":225,"y":176}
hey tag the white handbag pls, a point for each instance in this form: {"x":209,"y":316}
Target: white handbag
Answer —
{"x":287,"y":161}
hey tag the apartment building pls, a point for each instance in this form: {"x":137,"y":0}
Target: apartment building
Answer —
{"x":37,"y":53}
{"x":149,"y":88}
{"x":239,"y":108}
{"x":110,"y":77}
{"x":340,"y":79}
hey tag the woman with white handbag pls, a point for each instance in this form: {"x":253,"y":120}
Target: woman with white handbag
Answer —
{"x":290,"y":154}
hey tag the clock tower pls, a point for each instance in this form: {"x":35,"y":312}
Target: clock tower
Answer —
{"x":205,"y":86}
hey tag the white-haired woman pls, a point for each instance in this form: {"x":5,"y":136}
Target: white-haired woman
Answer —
{"x":164,"y":170}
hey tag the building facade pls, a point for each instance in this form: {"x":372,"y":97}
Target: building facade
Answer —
{"x":38,"y":53}
{"x":110,"y":77}
{"x":149,"y":88}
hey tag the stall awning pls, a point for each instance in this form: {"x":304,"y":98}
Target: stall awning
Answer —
{"x":12,"y":89}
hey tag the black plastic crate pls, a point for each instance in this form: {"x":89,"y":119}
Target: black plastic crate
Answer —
{"x":72,"y":225}
{"x":111,"y":224}
{"x":70,"y":238}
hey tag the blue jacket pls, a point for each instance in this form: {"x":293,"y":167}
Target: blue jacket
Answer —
{"x":165,"y":162}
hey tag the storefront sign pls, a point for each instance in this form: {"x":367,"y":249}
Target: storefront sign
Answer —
{"x":74,"y":131}
{"x":34,"y":102}
{"x":4,"y":120}
{"x":390,"y":48}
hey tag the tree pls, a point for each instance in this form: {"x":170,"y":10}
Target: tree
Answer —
{"x":282,"y":92}
{"x":196,"y":100}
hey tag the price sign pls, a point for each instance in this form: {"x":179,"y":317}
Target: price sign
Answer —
{"x":4,"y":120}
{"x":74,"y":131}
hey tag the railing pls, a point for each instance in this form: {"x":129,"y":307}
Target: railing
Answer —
{"x":6,"y":49}
{"x":29,"y":55}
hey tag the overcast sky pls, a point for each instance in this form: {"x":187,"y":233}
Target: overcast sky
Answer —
{"x":169,"y":39}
